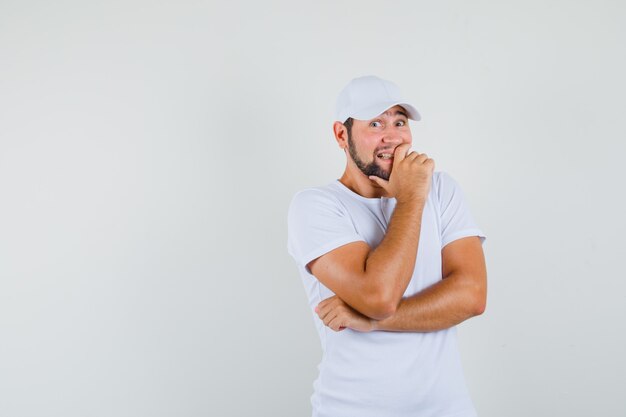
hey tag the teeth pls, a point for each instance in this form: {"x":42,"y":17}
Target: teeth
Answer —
{"x":385,"y":155}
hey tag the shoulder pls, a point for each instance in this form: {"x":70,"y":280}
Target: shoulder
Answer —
{"x":315,"y":198}
{"x":443,"y":180}
{"x":446,"y":190}
{"x":444,"y":184}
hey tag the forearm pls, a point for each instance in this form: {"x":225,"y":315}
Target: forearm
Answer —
{"x":440,"y":306}
{"x":389,"y":268}
{"x":372,"y":281}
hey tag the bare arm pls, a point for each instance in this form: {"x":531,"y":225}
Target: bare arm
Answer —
{"x":373,"y":281}
{"x":461,"y":294}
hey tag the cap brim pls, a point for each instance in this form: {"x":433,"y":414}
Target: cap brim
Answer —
{"x":373,"y":111}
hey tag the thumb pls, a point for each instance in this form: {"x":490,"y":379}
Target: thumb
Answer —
{"x":381,"y":182}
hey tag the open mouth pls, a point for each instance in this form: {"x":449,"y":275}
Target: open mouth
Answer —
{"x":385,"y":156}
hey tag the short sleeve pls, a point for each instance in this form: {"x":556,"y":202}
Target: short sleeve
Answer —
{"x":317,"y":223}
{"x":456,"y":219}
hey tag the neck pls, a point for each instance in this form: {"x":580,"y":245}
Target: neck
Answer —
{"x":358,"y":182}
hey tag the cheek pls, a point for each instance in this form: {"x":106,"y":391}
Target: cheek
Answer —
{"x":368,"y":145}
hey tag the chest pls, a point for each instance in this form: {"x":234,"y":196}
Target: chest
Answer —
{"x":371,"y":222}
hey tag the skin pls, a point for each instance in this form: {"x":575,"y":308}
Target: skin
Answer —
{"x":369,"y":283}
{"x":383,"y":133}
{"x":440,"y":306}
{"x":373,"y":280}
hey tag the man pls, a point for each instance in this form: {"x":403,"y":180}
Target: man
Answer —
{"x":392,"y":261}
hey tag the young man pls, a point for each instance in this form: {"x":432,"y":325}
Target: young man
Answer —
{"x":391,"y":261}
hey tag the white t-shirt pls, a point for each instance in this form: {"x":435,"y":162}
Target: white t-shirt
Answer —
{"x":380,"y":373}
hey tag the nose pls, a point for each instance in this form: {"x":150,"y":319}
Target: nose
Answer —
{"x":392,"y":137}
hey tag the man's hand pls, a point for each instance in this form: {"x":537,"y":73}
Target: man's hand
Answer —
{"x":338,"y":315}
{"x":410,"y":177}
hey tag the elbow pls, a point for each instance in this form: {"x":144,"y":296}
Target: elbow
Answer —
{"x":472,"y":295}
{"x":479,"y":300}
{"x":479,"y":307}
{"x":381,"y":314}
{"x":383,"y":306}
{"x":385,"y":311}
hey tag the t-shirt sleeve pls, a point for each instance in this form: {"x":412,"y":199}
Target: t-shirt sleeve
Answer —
{"x":456,"y":219}
{"x":317,"y":223}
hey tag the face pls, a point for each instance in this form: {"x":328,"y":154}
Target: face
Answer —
{"x":371,"y":143}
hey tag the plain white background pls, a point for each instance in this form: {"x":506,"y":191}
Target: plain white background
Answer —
{"x":149,"y":151}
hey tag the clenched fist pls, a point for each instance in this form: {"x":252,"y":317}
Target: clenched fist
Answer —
{"x":411,"y":176}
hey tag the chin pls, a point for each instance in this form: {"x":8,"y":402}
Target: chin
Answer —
{"x":385,"y":174}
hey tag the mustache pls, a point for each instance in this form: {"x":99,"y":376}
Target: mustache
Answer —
{"x":385,"y":150}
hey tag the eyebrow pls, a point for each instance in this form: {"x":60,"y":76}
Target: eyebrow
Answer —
{"x":398,"y":112}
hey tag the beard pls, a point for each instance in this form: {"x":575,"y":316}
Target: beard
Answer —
{"x":371,"y":168}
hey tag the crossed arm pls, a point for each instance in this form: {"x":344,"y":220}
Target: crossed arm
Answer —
{"x":460,"y":295}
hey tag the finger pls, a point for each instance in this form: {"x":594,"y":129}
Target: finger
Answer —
{"x":330,"y":317}
{"x":324,"y":302}
{"x":425,"y":160}
{"x":335,"y":324}
{"x":328,"y":300}
{"x":412,"y":156}
{"x":422,"y":157}
{"x":401,"y":151}
{"x":324,"y":312}
{"x":381,"y":182}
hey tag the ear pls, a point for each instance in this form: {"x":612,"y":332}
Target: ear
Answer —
{"x":341,"y":135}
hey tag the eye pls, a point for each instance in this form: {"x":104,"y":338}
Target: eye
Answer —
{"x":375,"y":124}
{"x":400,"y":123}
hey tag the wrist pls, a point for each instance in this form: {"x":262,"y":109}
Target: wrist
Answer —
{"x":412,"y":202}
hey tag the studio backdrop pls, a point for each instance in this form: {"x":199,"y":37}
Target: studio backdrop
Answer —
{"x":149,"y":151}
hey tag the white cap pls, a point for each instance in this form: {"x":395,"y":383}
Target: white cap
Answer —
{"x":366,"y":97}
